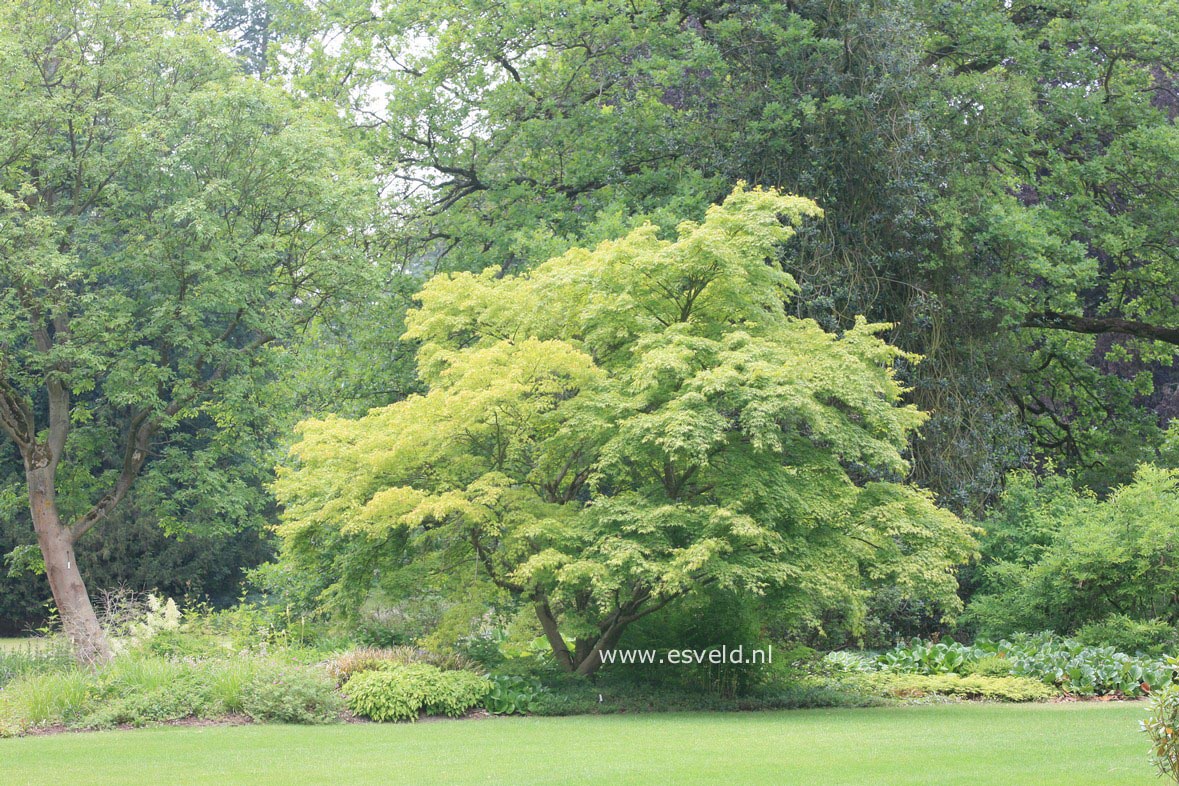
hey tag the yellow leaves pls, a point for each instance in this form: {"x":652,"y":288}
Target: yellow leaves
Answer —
{"x":398,"y":506}
{"x":637,"y":417}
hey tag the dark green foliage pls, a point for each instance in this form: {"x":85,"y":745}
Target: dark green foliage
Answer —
{"x":566,"y":696}
{"x":704,"y":622}
{"x":1058,"y":559}
{"x":1155,"y":637}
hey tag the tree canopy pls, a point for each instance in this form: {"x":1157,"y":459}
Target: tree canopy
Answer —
{"x":621,"y":426}
{"x":164,"y":222}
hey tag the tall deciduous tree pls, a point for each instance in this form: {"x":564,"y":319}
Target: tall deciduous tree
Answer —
{"x":622,"y":426}
{"x":997,"y":178}
{"x":164,"y":222}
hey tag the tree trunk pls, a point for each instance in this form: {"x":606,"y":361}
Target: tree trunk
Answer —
{"x":65,"y":580}
{"x":592,"y":660}
{"x":587,"y":655}
{"x":549,"y":623}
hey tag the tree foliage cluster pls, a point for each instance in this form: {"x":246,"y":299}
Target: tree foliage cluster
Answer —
{"x":553,"y":361}
{"x":619,"y":427}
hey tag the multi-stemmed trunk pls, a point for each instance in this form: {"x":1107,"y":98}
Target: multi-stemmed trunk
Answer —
{"x":586,"y":657}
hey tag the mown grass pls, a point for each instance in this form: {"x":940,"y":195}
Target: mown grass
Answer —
{"x":1091,"y":743}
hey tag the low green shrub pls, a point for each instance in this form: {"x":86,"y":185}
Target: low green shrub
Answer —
{"x":1162,"y":726}
{"x":1129,"y":635}
{"x":291,"y":695}
{"x":343,"y":666}
{"x":186,"y":644}
{"x":921,"y":657}
{"x":510,"y":694}
{"x":568,"y":695}
{"x":1068,"y":664}
{"x":1082,"y":670}
{"x":834,"y":663}
{"x":990,"y":666}
{"x":185,"y":698}
{"x":971,"y":687}
{"x":138,"y":690}
{"x":403,"y":692}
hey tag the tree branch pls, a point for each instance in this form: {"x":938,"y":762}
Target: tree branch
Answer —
{"x":134,"y":455}
{"x":16,"y":418}
{"x":1052,"y":320}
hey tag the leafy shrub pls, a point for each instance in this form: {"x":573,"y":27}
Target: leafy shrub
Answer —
{"x":342,"y":667}
{"x":1162,"y":726}
{"x":402,"y":692}
{"x":1119,"y":631}
{"x":291,"y":695}
{"x":185,"y":698}
{"x":971,"y":687}
{"x":388,"y":622}
{"x":919,"y":657}
{"x":565,"y":695}
{"x":1081,"y":670}
{"x":834,"y":663}
{"x":1067,"y":664}
{"x":1058,"y":559}
{"x":184,"y":644}
{"x":706,"y":620}
{"x":990,"y":666}
{"x":510,"y":694}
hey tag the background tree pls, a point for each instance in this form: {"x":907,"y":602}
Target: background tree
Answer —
{"x":1058,"y":226}
{"x":164,"y":225}
{"x":623,"y":426}
{"x":1056,"y":559}
{"x":995,"y":180}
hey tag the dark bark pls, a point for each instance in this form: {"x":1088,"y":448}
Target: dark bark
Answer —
{"x":549,"y":623}
{"x":586,"y":657}
{"x":1074,"y":323}
{"x":592,"y":660}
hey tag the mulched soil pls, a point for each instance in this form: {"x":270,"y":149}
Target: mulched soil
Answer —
{"x":1115,"y":696}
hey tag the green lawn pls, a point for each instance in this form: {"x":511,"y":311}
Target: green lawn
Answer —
{"x":7,"y":645}
{"x":972,"y":744}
